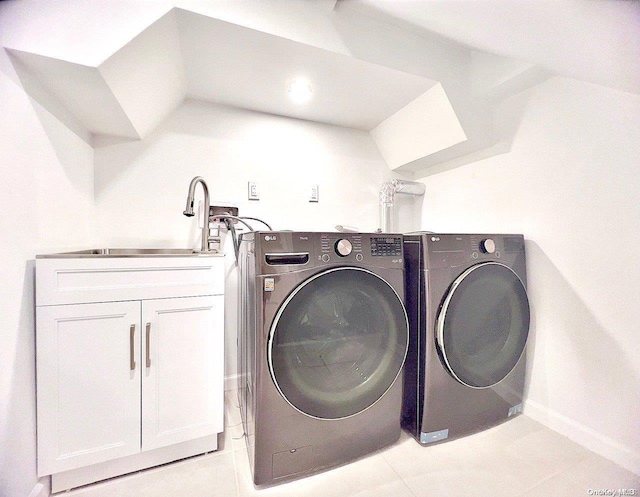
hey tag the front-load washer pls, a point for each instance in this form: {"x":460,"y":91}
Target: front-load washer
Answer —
{"x":469,"y":321}
{"x":323,"y":335}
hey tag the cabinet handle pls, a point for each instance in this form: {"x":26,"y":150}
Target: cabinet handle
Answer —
{"x":132,"y":346}
{"x":148,"y":346}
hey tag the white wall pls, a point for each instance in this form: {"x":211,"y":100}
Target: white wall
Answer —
{"x":46,"y":193}
{"x":571,"y":184}
{"x":46,"y":200}
{"x":141,"y":187}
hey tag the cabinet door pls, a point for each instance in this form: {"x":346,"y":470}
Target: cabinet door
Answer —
{"x":183,"y":369}
{"x":88,"y":378}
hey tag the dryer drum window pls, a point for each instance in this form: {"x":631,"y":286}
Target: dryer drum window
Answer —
{"x":338,"y":343}
{"x":483,"y":324}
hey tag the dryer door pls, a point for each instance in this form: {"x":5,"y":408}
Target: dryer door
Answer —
{"x":483,"y":324}
{"x":338,"y":343}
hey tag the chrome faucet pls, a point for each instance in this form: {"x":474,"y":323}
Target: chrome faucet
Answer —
{"x":189,"y":210}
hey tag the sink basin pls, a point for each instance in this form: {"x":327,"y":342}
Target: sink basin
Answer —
{"x":130,"y":252}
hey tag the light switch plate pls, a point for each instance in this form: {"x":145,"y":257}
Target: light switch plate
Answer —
{"x":254,"y":194}
{"x":315,"y":193}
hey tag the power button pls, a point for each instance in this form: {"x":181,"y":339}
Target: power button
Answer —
{"x":325,"y":258}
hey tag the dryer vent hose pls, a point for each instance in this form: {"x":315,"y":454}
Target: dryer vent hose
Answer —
{"x":387,"y":198}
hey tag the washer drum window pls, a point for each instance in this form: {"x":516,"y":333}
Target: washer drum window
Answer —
{"x":483,"y":324}
{"x":338,"y":343}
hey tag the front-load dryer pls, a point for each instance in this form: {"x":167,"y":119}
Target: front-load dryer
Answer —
{"x":323,"y":335}
{"x":469,"y":322}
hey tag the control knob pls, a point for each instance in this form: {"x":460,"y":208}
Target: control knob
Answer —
{"x":488,"y":246}
{"x":343,"y":247}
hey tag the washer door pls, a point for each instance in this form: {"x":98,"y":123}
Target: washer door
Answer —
{"x":338,"y":343}
{"x":483,"y":324}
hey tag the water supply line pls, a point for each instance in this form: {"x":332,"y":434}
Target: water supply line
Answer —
{"x":387,"y":198}
{"x":228,"y":220}
{"x":218,"y":214}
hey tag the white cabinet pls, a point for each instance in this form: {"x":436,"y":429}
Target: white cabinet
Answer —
{"x":182,"y":367}
{"x":123,"y":385}
{"x":88,"y":396}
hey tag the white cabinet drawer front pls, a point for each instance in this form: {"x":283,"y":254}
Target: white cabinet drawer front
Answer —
{"x":182,"y":380}
{"x":88,"y":394}
{"x":69,"y":281}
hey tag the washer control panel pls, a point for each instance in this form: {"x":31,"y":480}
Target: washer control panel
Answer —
{"x":488,"y":246}
{"x":286,"y":251}
{"x":386,"y":246}
{"x":366,"y":248}
{"x":343,"y":247}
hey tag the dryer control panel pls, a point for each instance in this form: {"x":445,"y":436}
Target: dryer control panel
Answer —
{"x":452,"y":250}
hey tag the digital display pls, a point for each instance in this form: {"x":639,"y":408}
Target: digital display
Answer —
{"x":386,"y":246}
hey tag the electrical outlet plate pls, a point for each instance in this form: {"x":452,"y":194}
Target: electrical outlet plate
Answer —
{"x":253,"y":192}
{"x":315,"y":193}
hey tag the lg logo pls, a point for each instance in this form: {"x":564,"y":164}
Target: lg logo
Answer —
{"x":270,"y":238}
{"x":435,"y":238}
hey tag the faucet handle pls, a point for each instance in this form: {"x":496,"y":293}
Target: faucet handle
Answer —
{"x":214,"y":243}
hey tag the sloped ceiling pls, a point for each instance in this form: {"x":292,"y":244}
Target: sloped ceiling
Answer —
{"x":592,"y":40}
{"x":439,"y":109}
{"x":127,"y":95}
{"x":188,"y":55}
{"x":241,"y":67}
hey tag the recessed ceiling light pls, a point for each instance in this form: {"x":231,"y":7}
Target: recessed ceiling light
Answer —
{"x":300,"y":90}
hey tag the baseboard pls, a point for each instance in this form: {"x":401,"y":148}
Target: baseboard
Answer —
{"x":41,"y":489}
{"x":585,"y":436}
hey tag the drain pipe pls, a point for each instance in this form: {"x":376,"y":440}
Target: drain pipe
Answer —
{"x":387,"y":197}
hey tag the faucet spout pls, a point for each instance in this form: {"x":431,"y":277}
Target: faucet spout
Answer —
{"x":189,"y":209}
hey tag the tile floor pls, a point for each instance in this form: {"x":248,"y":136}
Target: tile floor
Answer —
{"x":520,"y":458}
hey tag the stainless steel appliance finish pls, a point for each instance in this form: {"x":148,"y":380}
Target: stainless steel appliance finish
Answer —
{"x":130,"y":252}
{"x":469,"y":322}
{"x":323,"y":335}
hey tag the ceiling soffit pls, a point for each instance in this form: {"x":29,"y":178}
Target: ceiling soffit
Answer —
{"x":184,"y":54}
